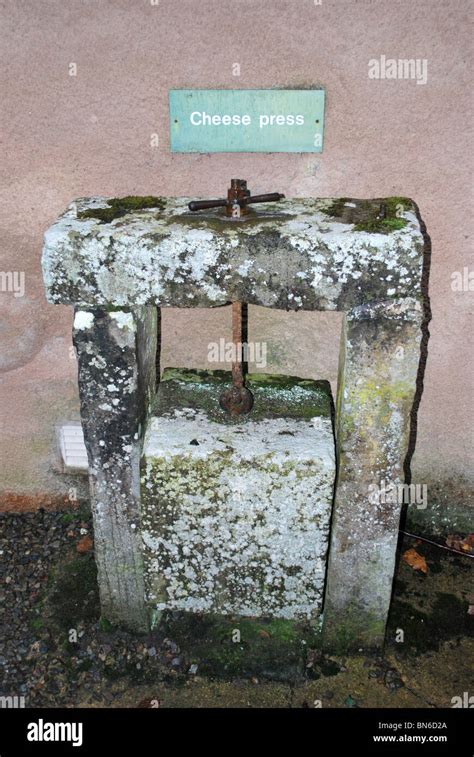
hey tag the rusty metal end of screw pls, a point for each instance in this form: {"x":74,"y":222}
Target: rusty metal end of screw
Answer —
{"x":236,"y":400}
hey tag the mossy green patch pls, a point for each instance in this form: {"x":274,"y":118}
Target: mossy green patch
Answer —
{"x":67,"y":518}
{"x":73,"y":595}
{"x":226,"y":647}
{"x":78,"y":514}
{"x":105,"y":625}
{"x":37,"y":624}
{"x":374,"y":216}
{"x":381,"y":225}
{"x":217,"y":221}
{"x":120,"y":206}
{"x":275,"y":395}
{"x":336,"y":208}
{"x":354,"y":631}
{"x":383,"y":395}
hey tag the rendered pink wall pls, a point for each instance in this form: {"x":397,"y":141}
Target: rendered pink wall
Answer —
{"x":68,"y":136}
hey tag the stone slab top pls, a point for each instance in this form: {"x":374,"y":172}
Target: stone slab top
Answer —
{"x":275,"y":396}
{"x":192,"y":435}
{"x":311,"y":254}
{"x":187,"y":419}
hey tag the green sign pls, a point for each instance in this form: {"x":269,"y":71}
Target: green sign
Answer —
{"x":246,"y":120}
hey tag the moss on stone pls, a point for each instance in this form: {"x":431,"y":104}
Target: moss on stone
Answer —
{"x":217,"y":221}
{"x":383,"y":395}
{"x":105,"y":625}
{"x":199,"y":494}
{"x":366,"y":214}
{"x":275,"y":395}
{"x":120,"y":206}
{"x":336,"y":208}
{"x":356,"y":630}
{"x":168,"y":485}
{"x":381,"y":225}
{"x":392,"y":204}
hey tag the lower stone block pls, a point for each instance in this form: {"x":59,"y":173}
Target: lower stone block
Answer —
{"x":235,"y":513}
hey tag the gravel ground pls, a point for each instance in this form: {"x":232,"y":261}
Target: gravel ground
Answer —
{"x":51,"y":650}
{"x":29,"y":545}
{"x":56,"y":651}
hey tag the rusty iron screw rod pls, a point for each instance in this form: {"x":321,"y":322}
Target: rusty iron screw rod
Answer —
{"x":252,"y":200}
{"x":238,"y":399}
{"x":237,"y":195}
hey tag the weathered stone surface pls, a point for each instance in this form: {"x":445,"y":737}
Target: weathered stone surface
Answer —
{"x":116,"y":357}
{"x":235,"y":514}
{"x":313,"y":254}
{"x":349,"y":255}
{"x":379,"y":361}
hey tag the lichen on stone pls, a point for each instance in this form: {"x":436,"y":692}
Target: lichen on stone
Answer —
{"x":275,"y":395}
{"x":123,"y":319}
{"x":83,"y":320}
{"x":235,"y":518}
{"x":293,"y":255}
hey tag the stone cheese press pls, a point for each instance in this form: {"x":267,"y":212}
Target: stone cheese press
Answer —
{"x":197,"y":505}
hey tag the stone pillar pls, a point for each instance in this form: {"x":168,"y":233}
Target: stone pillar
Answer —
{"x":377,"y":380}
{"x":116,"y":356}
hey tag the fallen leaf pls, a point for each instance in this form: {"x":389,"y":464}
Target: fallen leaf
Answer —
{"x":84,"y":545}
{"x":461,"y":543}
{"x":415,"y":560}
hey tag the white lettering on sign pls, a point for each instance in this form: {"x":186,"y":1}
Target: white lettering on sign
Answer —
{"x":289,"y":120}
{"x":198,"y":118}
{"x":201,"y":118}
